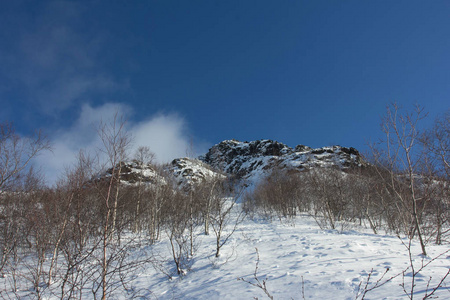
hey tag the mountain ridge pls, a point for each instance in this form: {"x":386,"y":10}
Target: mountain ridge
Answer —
{"x":248,"y":161}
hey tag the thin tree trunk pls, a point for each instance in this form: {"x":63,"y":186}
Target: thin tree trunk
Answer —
{"x":116,"y":199}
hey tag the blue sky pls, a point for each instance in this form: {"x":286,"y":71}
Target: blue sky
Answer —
{"x":301,"y":72}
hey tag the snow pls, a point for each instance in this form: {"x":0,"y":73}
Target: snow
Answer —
{"x":296,"y":258}
{"x":187,"y":171}
{"x":328,"y":264}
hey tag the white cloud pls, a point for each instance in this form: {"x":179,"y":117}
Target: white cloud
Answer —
{"x":165,"y":134}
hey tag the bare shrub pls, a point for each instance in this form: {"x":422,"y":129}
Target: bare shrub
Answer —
{"x":177,"y":226}
{"x":280,"y":193}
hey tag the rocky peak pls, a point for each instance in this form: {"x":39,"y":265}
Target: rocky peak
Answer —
{"x":226,"y":152}
{"x":251,"y":159}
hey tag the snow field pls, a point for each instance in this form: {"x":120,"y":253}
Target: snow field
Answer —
{"x":297,"y":259}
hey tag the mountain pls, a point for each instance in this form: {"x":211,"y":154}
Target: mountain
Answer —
{"x":251,"y":160}
{"x":245,"y":160}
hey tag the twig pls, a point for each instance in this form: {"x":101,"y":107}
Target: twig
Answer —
{"x":259,"y":284}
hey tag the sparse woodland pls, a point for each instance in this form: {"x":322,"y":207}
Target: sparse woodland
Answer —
{"x":404,"y":190}
{"x":75,"y":240}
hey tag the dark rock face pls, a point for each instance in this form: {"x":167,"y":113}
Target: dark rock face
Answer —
{"x":228,"y":154}
{"x":248,"y":159}
{"x":302,"y":148}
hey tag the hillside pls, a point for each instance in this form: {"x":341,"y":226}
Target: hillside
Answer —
{"x":218,"y":227}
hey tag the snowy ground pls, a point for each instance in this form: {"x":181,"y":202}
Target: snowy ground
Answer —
{"x":299,"y":260}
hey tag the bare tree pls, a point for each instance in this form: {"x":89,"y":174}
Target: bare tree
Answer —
{"x":224,"y":220}
{"x":280,"y":193}
{"x":18,"y":180}
{"x":115,"y":144}
{"x":79,"y":228}
{"x":330,"y":196}
{"x":436,"y":143}
{"x":205,"y":193}
{"x":401,"y":158}
{"x":177,"y":226}
{"x":143,"y":157}
{"x":16,"y":152}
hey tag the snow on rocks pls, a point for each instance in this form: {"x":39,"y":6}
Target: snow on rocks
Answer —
{"x":189,"y":171}
{"x":250,"y":160}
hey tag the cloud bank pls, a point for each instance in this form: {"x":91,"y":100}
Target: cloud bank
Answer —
{"x":165,"y":134}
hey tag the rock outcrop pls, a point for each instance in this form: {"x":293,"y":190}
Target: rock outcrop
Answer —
{"x":252,"y":159}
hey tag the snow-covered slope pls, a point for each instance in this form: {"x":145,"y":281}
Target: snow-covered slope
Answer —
{"x":251,"y":159}
{"x":297,"y":258}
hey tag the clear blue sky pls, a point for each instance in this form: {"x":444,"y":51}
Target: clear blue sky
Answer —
{"x":300,"y":72}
